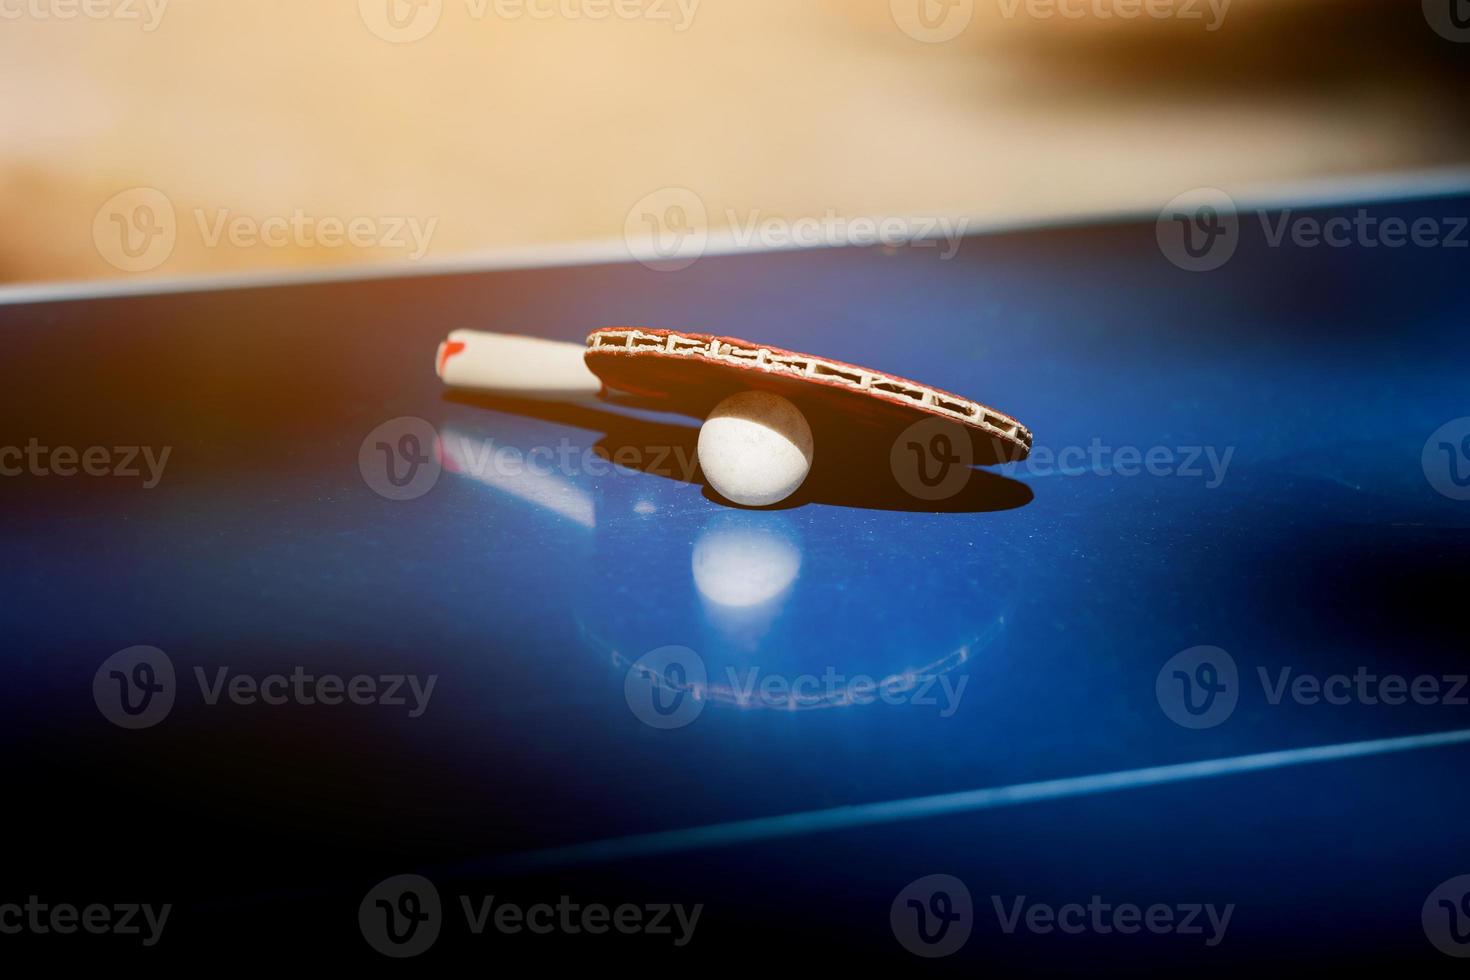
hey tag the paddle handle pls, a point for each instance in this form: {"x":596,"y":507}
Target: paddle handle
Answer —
{"x":515,"y":366}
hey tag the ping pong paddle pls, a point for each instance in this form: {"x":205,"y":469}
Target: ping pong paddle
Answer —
{"x":690,"y":373}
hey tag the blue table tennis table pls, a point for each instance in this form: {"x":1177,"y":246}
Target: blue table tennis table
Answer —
{"x":1184,"y":691}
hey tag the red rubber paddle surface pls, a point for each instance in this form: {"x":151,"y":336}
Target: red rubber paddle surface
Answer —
{"x":690,"y":373}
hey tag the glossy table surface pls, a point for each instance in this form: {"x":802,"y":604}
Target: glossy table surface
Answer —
{"x":1233,"y":459}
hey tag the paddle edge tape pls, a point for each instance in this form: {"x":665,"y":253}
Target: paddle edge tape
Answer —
{"x":610,"y":350}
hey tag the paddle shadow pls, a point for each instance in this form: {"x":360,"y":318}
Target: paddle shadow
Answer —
{"x":851,"y":467}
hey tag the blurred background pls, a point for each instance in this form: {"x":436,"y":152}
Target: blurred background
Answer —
{"x":166,"y":138}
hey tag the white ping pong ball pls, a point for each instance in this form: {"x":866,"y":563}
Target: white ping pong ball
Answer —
{"x":755,"y":448}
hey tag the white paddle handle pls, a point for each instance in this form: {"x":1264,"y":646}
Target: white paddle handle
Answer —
{"x":515,"y":366}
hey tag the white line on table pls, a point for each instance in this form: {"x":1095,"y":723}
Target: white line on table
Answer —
{"x":943,"y":804}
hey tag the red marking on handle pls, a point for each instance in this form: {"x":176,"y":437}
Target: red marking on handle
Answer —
{"x":447,"y":350}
